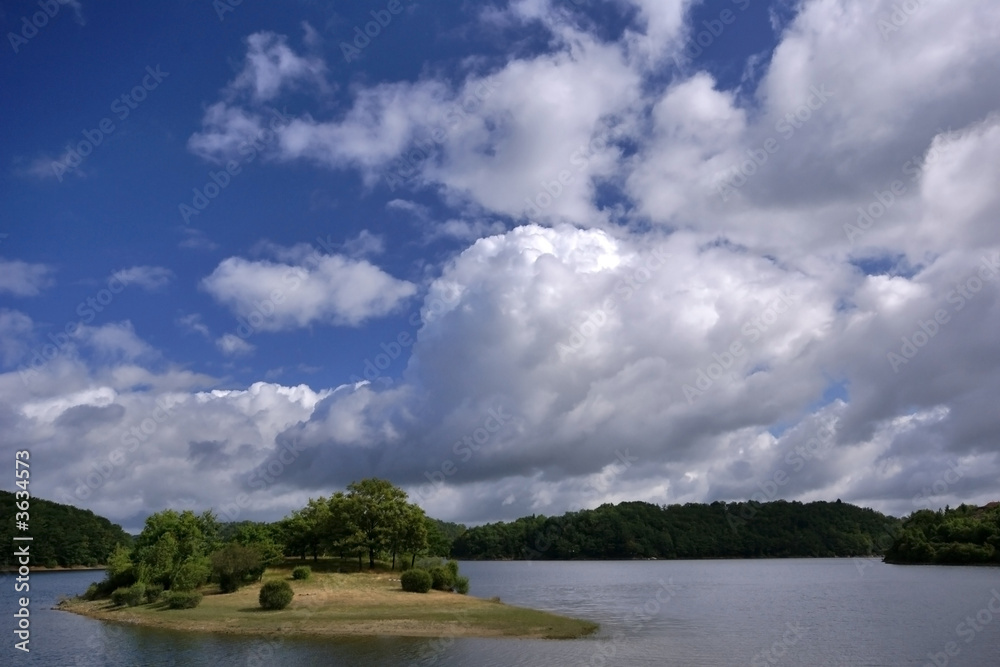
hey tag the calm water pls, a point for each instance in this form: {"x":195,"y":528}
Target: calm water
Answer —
{"x":690,"y":614}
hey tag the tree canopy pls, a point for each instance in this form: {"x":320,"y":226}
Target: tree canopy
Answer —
{"x":64,"y":536}
{"x":632,"y":530}
{"x":961,"y":536}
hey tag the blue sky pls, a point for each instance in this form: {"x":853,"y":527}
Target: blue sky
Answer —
{"x":698,"y":232}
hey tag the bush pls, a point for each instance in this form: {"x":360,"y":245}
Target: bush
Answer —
{"x":416,"y":581}
{"x":462,"y":585}
{"x":442,"y":579}
{"x":190,"y":575}
{"x":429,"y":563}
{"x":133,"y":596}
{"x":452,"y":566}
{"x":301,"y":572}
{"x":275,"y":594}
{"x":153,"y":592}
{"x":183,"y":599}
{"x":93,"y":592}
{"x":236,"y":565}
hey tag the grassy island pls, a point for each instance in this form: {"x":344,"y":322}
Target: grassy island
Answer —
{"x":331,"y":603}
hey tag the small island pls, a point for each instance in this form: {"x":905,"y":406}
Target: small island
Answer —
{"x":331,"y":603}
{"x":189,"y":572}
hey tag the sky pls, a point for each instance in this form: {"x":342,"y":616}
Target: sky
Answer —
{"x":518,"y":258}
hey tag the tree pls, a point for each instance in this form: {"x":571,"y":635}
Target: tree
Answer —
{"x":378,"y":508}
{"x":261,"y":538}
{"x":170,"y":540}
{"x":414,"y":537}
{"x":236,"y":565}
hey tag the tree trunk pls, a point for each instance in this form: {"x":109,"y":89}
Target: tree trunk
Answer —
{"x":393,"y":561}
{"x":371,"y":559}
{"x":413,"y":561}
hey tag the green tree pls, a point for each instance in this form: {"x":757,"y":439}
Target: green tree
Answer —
{"x":378,"y":509}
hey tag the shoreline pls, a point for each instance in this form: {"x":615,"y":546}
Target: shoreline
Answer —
{"x":344,"y":605}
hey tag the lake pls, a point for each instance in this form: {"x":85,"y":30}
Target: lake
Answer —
{"x":829,"y":612}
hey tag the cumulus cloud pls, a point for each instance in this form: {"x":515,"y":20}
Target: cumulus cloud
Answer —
{"x":303,"y":286}
{"x":24,"y":278}
{"x":670,"y":290}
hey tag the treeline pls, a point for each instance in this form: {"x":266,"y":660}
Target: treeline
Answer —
{"x":372,"y":519}
{"x":63,"y":535}
{"x":182,"y":551}
{"x":637,"y":530}
{"x":964,"y":535}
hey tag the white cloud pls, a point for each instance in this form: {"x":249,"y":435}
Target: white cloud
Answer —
{"x":151,"y":278}
{"x":712,"y":338}
{"x":365,"y":244}
{"x":193,"y":323}
{"x":305,"y":287}
{"x":24,"y":278}
{"x":272,"y":67}
{"x":234,"y":346}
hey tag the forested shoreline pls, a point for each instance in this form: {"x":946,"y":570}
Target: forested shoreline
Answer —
{"x":638,"y":530}
{"x":345,"y":525}
{"x":964,"y":535}
{"x":64,"y":536}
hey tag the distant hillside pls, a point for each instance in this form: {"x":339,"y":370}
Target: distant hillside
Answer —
{"x":64,"y":535}
{"x":633,"y":530}
{"x":961,"y":536}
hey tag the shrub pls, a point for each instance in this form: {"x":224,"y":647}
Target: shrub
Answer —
{"x":153,"y":592}
{"x":93,"y":592}
{"x":133,"y":596}
{"x":236,"y":565}
{"x":301,"y":572}
{"x":183,"y":599}
{"x":429,"y":563}
{"x":452,"y":566}
{"x":275,"y":594}
{"x":442,"y":579}
{"x":416,"y":581}
{"x":462,"y":585}
{"x":190,"y":575}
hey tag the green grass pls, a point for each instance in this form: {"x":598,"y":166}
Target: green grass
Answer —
{"x":346,"y":603}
